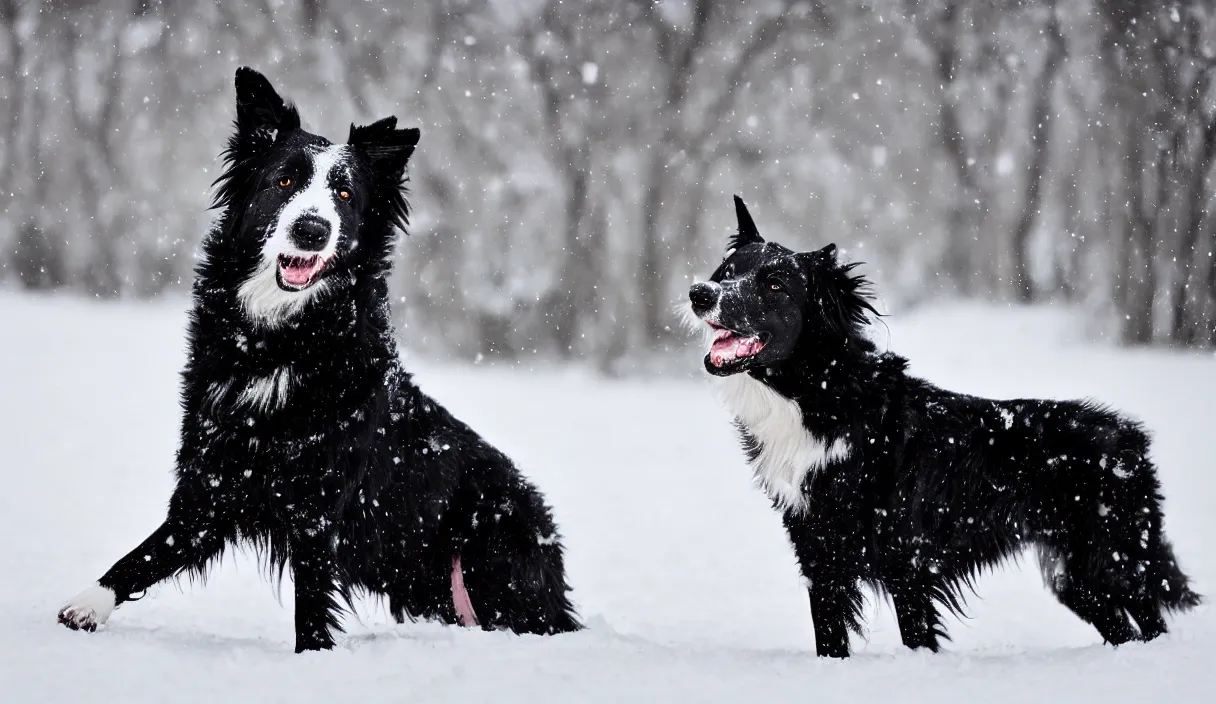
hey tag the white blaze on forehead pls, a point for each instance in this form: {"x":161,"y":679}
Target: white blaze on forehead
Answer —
{"x":317,"y":199}
{"x":261,"y":296}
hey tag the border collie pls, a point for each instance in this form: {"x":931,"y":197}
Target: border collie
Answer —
{"x":887,"y":480}
{"x":303,"y":436}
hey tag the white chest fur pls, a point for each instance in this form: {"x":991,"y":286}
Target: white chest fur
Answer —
{"x":268,"y":392}
{"x":786,"y":452}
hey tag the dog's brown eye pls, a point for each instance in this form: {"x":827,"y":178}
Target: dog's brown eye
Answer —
{"x":285,"y":182}
{"x":775,"y":285}
{"x":344,"y":193}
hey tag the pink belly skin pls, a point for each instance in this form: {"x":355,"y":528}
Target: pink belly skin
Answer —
{"x":460,"y":596}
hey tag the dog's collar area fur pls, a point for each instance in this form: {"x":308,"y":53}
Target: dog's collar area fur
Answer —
{"x":781,"y":450}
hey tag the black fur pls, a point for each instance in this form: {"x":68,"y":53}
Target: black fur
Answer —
{"x":359,"y":481}
{"x":747,"y":233}
{"x":938,"y":485}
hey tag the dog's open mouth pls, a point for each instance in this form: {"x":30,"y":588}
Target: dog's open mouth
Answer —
{"x":298,"y":273}
{"x":728,"y":346}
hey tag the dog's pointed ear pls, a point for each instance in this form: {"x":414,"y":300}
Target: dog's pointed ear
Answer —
{"x":747,"y":234}
{"x":823,"y":255}
{"x":387,"y":147}
{"x":261,"y":115}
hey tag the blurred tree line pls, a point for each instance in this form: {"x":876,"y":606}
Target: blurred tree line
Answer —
{"x":578,"y":157}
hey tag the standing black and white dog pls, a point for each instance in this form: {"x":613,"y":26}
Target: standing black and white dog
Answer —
{"x":303,"y":436}
{"x":887,"y":480}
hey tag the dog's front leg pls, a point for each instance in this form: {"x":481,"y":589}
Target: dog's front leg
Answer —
{"x":828,"y":560}
{"x":835,"y":611}
{"x":193,"y":533}
{"x":313,"y":567}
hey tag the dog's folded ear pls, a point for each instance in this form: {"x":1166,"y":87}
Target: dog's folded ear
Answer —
{"x":747,"y":234}
{"x":261,"y":115}
{"x":388,"y":147}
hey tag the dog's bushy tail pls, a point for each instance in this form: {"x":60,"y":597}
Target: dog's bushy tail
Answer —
{"x":1165,"y":582}
{"x":1171,"y":587}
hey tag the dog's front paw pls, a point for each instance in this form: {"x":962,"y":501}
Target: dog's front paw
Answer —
{"x":88,"y":609}
{"x":321,"y":643}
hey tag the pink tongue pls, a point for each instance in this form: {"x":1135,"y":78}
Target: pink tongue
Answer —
{"x":299,"y":272}
{"x":728,"y":347}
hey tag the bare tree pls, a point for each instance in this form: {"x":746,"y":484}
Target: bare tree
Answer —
{"x":1036,"y":170}
{"x":681,"y":50}
{"x":1160,"y":69}
{"x":559,"y":49}
{"x":573,"y":152}
{"x":944,"y":32}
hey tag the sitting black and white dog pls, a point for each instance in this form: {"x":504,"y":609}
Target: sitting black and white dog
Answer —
{"x":303,"y":436}
{"x":887,"y":480}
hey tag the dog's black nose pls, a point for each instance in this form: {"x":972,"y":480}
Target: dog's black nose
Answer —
{"x":704,"y":296}
{"x":310,"y":234}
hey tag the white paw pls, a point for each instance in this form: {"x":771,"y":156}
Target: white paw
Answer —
{"x":88,"y":609}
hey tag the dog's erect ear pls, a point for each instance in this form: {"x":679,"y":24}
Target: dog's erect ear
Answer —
{"x":261,"y":118}
{"x":824,"y":255}
{"x":261,"y":115}
{"x":388,"y":147}
{"x":747,"y":234}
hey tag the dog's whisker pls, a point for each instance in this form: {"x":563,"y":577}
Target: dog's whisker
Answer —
{"x":689,"y":320}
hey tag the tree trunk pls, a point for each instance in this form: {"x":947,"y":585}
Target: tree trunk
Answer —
{"x":1196,"y":210}
{"x":1068,"y":263}
{"x":1040,"y":137}
{"x":1210,"y":332}
{"x":965,"y":213}
{"x":1137,"y":305}
{"x":578,"y":276}
{"x":691,"y":229}
{"x":651,"y":292}
{"x":15,"y":98}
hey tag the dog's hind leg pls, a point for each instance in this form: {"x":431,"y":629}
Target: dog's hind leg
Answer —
{"x":510,"y":561}
{"x":1088,"y":594}
{"x":1147,"y":614}
{"x":421,"y":588}
{"x":1115,"y":560}
{"x":1157,"y":584}
{"x":1098,"y":607}
{"x":192,"y":535}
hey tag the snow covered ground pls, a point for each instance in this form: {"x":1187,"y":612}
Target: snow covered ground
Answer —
{"x":680,"y":568}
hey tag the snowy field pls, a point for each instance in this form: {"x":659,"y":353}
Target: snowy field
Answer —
{"x":679,"y":566}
